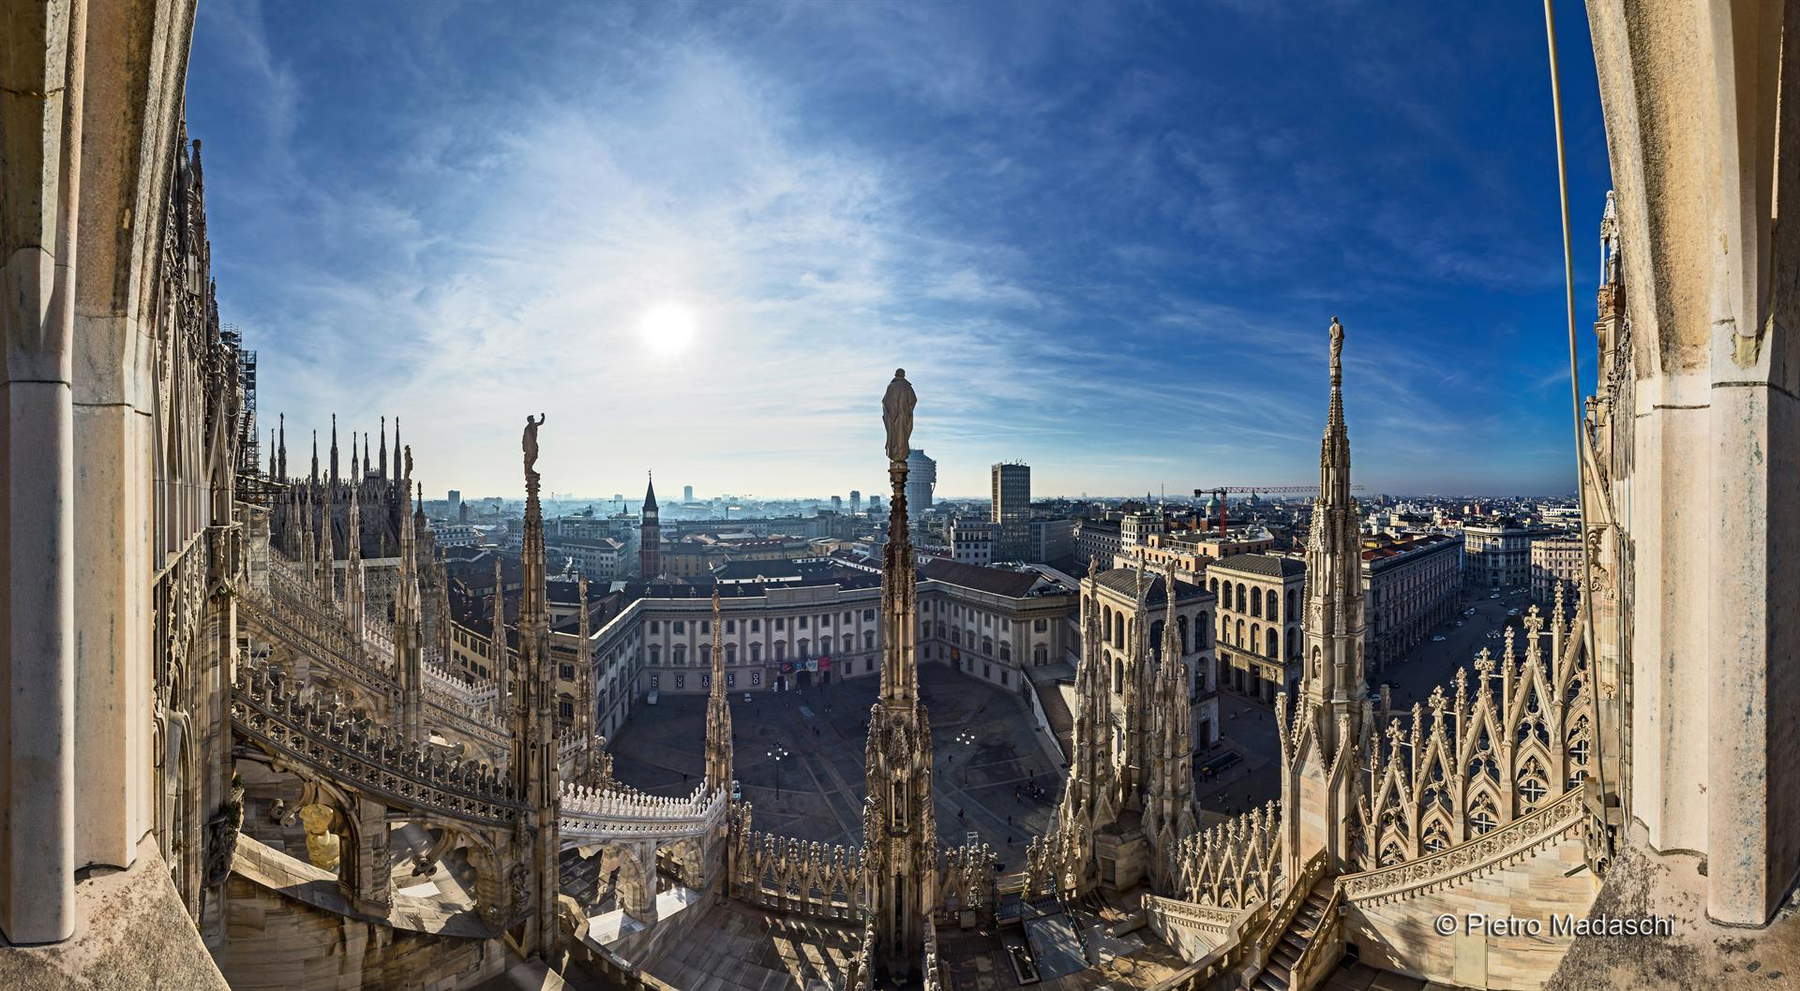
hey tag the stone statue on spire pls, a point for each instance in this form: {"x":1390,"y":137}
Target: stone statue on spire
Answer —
{"x":897,"y":415}
{"x":1337,"y":351}
{"x":531,"y":444}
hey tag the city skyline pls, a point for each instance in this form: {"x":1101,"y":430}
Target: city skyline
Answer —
{"x":1116,"y":286}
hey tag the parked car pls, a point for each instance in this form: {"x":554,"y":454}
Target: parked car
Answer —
{"x":1493,"y":595}
{"x":1512,"y":612}
{"x":1440,"y":638}
{"x":651,"y":698}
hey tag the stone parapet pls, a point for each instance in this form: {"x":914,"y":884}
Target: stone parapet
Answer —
{"x":269,"y":712}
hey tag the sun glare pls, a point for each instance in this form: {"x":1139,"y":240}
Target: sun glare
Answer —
{"x":667,"y":328}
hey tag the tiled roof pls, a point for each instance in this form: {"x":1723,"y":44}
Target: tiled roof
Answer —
{"x":997,"y":581}
{"x":1124,"y":581}
{"x":1266,"y":565}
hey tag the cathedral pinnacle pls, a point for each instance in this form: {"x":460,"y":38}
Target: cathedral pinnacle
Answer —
{"x":718,"y":710}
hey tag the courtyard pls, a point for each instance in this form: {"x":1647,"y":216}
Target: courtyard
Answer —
{"x":798,"y":756}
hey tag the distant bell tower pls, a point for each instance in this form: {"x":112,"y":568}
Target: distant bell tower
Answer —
{"x":650,"y":535}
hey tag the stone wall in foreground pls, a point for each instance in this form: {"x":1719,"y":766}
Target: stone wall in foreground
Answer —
{"x":1400,"y":933}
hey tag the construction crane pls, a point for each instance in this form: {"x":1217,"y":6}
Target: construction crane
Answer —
{"x":1221,"y":491}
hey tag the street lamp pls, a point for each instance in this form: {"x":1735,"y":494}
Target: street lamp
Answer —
{"x":963,"y":739}
{"x":777,"y":755}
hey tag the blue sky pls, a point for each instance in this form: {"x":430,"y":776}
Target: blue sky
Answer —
{"x":1106,"y":239}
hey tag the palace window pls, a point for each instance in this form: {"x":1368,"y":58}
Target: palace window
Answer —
{"x":731,"y":626}
{"x":869,"y":614}
{"x":756,"y":653}
{"x":781,"y":622}
{"x":655,"y":626}
{"x":679,"y":626}
{"x":679,"y":653}
{"x":655,"y":655}
{"x":568,"y":670}
{"x":868,"y":639}
{"x":731,"y":653}
{"x":756,"y":626}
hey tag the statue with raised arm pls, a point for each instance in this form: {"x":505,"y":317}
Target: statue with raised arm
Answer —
{"x":408,"y":461}
{"x":531,"y":448}
{"x":1337,"y":351}
{"x":897,"y":416}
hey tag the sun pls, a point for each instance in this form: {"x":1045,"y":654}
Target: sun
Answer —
{"x":667,"y":328}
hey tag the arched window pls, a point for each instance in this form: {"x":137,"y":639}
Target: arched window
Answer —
{"x":849,"y":643}
{"x":1255,"y":603}
{"x":1238,"y":641}
{"x":706,"y":655}
{"x":1292,"y":594}
{"x":1118,"y":674}
{"x":1240,"y":597}
{"x":1202,"y":632}
{"x":868,"y":639}
{"x":756,"y":653}
{"x":1274,"y":642}
{"x":987,"y":646}
{"x":805,"y":646}
{"x":1005,"y":651}
{"x":730,"y":654}
{"x":655,"y":655}
{"x":956,"y":635}
{"x":1255,"y":638}
{"x":781,"y":650}
{"x":679,"y":651}
{"x":1181,"y":629}
{"x":1274,"y":604}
